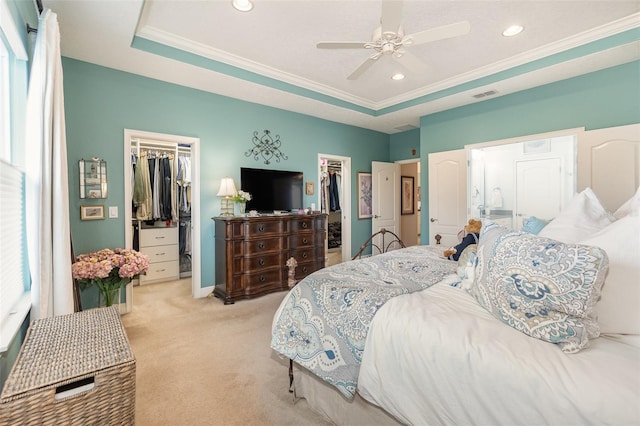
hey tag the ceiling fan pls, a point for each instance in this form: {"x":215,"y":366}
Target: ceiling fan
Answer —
{"x":389,"y":39}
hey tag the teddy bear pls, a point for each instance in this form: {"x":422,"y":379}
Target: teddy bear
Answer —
{"x":471,"y":235}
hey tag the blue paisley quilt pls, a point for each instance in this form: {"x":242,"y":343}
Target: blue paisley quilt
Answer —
{"x":322,"y":324}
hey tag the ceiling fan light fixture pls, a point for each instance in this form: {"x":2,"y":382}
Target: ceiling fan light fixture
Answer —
{"x":242,"y":5}
{"x":513,"y":30}
{"x":397,"y":76}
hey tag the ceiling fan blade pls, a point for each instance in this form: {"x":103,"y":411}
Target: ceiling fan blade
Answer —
{"x":412,"y":62}
{"x":438,"y":33}
{"x":391,"y":15}
{"x":364,"y":66}
{"x":340,"y":45}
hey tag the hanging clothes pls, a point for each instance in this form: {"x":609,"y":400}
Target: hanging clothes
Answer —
{"x":183,"y":180}
{"x":155,"y":185}
{"x":324,"y":191}
{"x":142,"y":195}
{"x":166,"y":189}
{"x":334,"y":196}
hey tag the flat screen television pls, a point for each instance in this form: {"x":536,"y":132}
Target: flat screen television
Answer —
{"x":272,"y":190}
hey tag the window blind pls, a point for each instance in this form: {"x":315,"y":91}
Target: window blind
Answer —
{"x":12,"y":251}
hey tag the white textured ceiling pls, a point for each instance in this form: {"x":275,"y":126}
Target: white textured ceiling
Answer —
{"x":276,"y":42}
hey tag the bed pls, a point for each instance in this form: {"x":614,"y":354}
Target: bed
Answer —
{"x":526,"y":328}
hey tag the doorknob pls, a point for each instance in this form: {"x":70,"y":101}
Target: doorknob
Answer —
{"x":375,"y":216}
{"x":433,"y":220}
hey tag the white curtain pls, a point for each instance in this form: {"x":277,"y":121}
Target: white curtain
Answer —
{"x":48,"y":229}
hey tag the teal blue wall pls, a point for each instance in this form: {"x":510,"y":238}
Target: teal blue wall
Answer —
{"x":401,"y":145}
{"x":606,"y":98}
{"x":100,"y":103}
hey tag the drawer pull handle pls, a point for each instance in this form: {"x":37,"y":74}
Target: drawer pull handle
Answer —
{"x":160,"y":238}
{"x":261,"y":262}
{"x":262,"y":279}
{"x":304,"y":269}
{"x":305,"y":241}
{"x":304,"y":224}
{"x":261,"y":228}
{"x":160,"y":254}
{"x":160,"y":270}
{"x":304,"y":255}
{"x":261,"y":246}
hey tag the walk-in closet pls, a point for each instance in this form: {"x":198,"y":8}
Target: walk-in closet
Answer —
{"x":330,"y":186}
{"x":161,"y":207}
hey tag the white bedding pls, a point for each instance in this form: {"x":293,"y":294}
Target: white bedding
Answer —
{"x":431,"y":357}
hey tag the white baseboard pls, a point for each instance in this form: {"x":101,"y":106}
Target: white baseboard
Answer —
{"x":204,"y":292}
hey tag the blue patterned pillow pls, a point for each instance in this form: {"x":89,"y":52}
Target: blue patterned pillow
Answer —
{"x":539,"y":286}
{"x":533,"y":225}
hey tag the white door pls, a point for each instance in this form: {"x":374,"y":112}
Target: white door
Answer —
{"x":447,"y":196}
{"x":385,"y":198}
{"x":538,"y":192}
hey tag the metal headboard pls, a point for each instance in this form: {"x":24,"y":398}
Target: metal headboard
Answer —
{"x":381,"y":246}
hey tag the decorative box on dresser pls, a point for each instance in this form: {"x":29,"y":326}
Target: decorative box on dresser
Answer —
{"x":161,"y":245}
{"x":251,"y":252}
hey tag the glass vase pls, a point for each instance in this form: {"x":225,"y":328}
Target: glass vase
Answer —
{"x":110,"y":295}
{"x":110,"y":289}
{"x":242,"y":207}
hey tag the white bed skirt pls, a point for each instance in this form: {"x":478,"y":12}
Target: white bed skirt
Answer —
{"x":328,"y":402}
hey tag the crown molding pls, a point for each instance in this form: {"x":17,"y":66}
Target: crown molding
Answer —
{"x":181,"y":43}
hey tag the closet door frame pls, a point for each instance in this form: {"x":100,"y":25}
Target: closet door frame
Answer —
{"x":345,"y":202}
{"x":196,"y":272}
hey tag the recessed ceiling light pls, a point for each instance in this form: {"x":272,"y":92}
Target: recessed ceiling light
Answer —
{"x":513,"y":30}
{"x":242,"y":5}
{"x":398,"y":76}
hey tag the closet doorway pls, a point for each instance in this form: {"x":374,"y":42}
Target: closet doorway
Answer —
{"x":184,"y":221}
{"x":410,"y":222}
{"x":334,"y":199}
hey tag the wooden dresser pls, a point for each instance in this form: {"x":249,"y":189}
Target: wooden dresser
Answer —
{"x":251,"y":252}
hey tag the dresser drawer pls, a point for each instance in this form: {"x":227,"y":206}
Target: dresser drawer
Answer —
{"x":158,"y":236}
{"x":303,"y":254}
{"x":301,"y":224}
{"x":301,"y":240}
{"x":263,"y":280}
{"x":262,"y":245}
{"x":304,"y":269}
{"x":161,"y":271}
{"x":258,"y":228}
{"x":161,"y":253}
{"x":258,"y":263}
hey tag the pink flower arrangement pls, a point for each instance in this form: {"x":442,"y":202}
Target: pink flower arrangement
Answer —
{"x":109,"y":269}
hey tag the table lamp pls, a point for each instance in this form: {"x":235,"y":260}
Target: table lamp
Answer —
{"x":227,"y":190}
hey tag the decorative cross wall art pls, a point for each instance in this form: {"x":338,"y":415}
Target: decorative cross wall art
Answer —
{"x":267,"y":147}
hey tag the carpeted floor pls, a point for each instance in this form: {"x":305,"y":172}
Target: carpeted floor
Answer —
{"x":200,"y":362}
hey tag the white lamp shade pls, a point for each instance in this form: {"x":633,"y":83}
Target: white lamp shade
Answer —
{"x":227,"y":188}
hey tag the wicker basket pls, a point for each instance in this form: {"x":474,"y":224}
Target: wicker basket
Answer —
{"x":72,"y":369}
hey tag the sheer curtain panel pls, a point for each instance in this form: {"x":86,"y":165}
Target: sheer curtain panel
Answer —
{"x":48,"y":229}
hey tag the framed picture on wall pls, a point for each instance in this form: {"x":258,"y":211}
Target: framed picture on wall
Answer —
{"x":365,"y":208}
{"x":93,"y":212}
{"x":406,"y":188}
{"x":309,"y":188}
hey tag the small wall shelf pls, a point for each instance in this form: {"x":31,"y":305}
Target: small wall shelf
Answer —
{"x":93,"y":178}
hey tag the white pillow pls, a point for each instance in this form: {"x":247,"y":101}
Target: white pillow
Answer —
{"x":631,"y":205}
{"x":619,"y":307}
{"x":583,"y":217}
